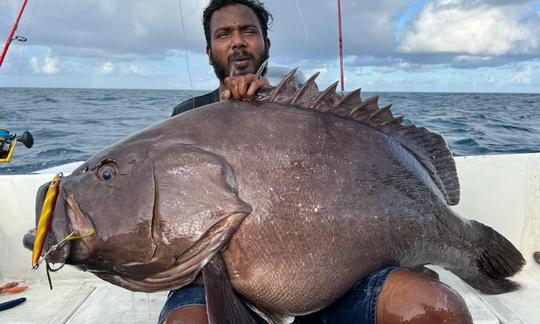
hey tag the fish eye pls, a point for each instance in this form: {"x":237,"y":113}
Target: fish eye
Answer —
{"x":107,"y":171}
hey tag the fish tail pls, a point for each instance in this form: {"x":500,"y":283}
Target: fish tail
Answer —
{"x":494,"y":260}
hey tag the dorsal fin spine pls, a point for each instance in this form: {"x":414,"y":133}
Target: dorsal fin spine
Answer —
{"x":283,"y":84}
{"x":306,"y":85}
{"x":370,"y":101}
{"x":330,"y":91}
{"x":380,"y":111}
{"x":396,"y":120}
{"x":377,"y":113}
{"x":348,"y":97}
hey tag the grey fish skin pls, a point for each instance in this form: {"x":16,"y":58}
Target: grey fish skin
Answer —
{"x":302,"y":193}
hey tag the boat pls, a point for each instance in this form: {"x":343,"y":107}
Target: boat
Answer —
{"x":502,"y":191}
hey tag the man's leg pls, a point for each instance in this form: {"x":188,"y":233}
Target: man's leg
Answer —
{"x":411,"y":297}
{"x":185,"y":306}
{"x":188,"y":306}
{"x":188,"y":315}
{"x":386,"y":296}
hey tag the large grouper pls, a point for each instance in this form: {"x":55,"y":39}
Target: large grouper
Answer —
{"x":284,"y":202}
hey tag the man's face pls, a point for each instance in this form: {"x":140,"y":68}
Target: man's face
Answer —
{"x":237,"y":41}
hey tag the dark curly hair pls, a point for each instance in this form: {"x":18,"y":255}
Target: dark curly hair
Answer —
{"x":264,"y":16}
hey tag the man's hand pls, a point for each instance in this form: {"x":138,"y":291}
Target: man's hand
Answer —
{"x":242,"y":87}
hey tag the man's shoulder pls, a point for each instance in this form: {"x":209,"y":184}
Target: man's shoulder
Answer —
{"x":196,"y":102}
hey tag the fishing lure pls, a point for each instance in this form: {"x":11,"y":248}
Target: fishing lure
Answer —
{"x":45,"y":220}
{"x":12,"y":287}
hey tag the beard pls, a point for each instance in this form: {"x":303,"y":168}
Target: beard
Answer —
{"x":223,"y":71}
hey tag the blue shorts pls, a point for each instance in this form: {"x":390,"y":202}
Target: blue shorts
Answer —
{"x":358,"y":305}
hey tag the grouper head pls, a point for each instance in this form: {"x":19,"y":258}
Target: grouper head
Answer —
{"x":150,"y":213}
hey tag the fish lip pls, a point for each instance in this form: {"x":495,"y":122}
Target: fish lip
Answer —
{"x":79,"y":225}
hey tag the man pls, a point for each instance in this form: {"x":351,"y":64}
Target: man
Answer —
{"x":237,"y":44}
{"x":235,"y":51}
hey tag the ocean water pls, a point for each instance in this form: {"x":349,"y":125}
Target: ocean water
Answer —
{"x":72,"y":124}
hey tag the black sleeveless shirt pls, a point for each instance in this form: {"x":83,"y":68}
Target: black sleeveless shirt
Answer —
{"x":196,"y":102}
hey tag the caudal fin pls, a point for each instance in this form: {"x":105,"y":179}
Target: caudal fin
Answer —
{"x":495,"y":260}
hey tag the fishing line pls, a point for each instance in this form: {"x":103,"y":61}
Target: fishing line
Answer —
{"x":18,"y":63}
{"x":186,"y":47}
{"x":24,"y":46}
{"x":69,"y":237}
{"x":48,"y":267}
{"x":306,"y":33}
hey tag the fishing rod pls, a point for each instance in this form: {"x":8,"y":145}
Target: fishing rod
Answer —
{"x":12,"y":36}
{"x":8,"y":140}
{"x":341,"y":48}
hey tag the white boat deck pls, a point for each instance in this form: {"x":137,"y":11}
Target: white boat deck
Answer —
{"x":500,"y":191}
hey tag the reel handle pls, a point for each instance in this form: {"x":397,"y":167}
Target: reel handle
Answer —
{"x":27,"y":139}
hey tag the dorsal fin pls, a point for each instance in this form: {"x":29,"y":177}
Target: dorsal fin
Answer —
{"x":430,"y":149}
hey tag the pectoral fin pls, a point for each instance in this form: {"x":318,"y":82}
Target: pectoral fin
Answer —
{"x":222,"y":304}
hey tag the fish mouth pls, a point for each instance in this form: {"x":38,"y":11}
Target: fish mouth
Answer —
{"x":68,"y":221}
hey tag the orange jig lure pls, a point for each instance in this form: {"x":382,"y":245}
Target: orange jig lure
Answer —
{"x":45,"y":220}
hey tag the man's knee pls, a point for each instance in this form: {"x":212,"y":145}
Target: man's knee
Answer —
{"x":410,"y":297}
{"x":188,"y":315}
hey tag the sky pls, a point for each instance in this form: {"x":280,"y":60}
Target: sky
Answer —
{"x":389,"y":45}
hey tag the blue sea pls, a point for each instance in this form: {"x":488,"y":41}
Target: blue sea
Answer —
{"x":71,"y":124}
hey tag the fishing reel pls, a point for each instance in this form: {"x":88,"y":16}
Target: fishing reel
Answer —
{"x":9,"y":140}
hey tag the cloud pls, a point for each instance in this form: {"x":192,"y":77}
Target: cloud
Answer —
{"x":310,"y":31}
{"x":475,"y":3}
{"x":135,"y":70}
{"x":131,"y":30}
{"x":107,"y":28}
{"x":474,"y":28}
{"x":522,"y":77}
{"x":107,"y":68}
{"x":118,"y":28}
{"x":35,"y":65}
{"x":131,"y":39}
{"x":49,"y":66}
{"x":107,"y":7}
{"x":472,"y":62}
